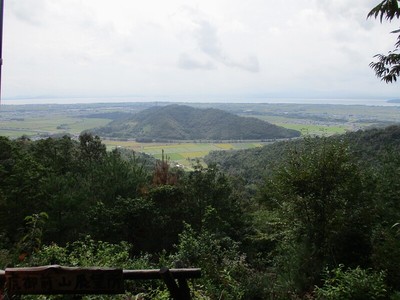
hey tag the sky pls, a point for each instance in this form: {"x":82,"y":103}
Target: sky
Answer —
{"x":192,"y":49}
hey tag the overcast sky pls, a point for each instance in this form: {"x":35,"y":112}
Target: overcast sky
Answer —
{"x":193,"y":48}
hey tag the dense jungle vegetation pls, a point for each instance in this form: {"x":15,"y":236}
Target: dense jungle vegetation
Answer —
{"x":315,"y":218}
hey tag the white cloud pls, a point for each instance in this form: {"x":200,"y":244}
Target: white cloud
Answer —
{"x":208,"y":41}
{"x":187,"y":62}
{"x":98,"y":47}
{"x":25,"y":11}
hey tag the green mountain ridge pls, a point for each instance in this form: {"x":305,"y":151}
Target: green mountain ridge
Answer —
{"x":370,"y":146}
{"x":181,"y":122}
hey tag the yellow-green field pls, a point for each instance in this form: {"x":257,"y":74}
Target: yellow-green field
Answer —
{"x":308,"y":127}
{"x":181,"y":153}
{"x":311,"y":129}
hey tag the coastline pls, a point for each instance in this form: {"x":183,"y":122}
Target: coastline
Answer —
{"x":255,"y":100}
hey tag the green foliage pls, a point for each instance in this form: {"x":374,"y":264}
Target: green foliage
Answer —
{"x":324,"y":203}
{"x":369,"y":148}
{"x":58,"y":155}
{"x":21,"y":191}
{"x":91,"y":253}
{"x":319,"y":202}
{"x":386,"y":254}
{"x":128,"y":219}
{"x":91,"y":148}
{"x":388,"y":66}
{"x":388,"y":9}
{"x":32,"y":240}
{"x":203,"y":198}
{"x":64,"y":179}
{"x":223,"y":267}
{"x":250,"y":166}
{"x":88,"y":252}
{"x":352,"y":284}
{"x":212,"y":203}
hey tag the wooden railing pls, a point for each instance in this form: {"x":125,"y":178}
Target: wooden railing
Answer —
{"x":55,"y":279}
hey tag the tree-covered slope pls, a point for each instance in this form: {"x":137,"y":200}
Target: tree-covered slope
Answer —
{"x":180,"y":122}
{"x":322,"y":224}
{"x":368,"y":146}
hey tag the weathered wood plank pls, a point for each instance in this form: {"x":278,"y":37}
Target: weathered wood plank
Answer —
{"x":55,"y":279}
{"x":155,"y":274}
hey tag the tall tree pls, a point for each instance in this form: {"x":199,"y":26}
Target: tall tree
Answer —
{"x":387,"y":68}
{"x":324,"y":204}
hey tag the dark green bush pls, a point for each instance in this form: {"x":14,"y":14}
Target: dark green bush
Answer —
{"x":352,"y":284}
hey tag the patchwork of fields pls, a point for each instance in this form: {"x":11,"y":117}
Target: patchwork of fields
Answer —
{"x":40,"y":121}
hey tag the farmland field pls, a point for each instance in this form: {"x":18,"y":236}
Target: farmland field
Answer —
{"x":311,"y":129}
{"x":31,"y":126}
{"x":181,"y":153}
{"x":40,"y":121}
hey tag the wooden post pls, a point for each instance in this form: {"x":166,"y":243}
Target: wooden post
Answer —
{"x":171,"y":284}
{"x":184,"y":288}
{"x":2,"y":284}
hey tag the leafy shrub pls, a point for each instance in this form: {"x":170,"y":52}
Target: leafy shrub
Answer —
{"x":386,"y":255}
{"x":225,"y":272}
{"x":352,"y":284}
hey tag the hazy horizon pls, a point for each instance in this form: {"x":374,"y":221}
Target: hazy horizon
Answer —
{"x":198,"y":99}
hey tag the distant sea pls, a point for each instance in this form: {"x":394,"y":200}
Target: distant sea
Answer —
{"x":137,"y":99}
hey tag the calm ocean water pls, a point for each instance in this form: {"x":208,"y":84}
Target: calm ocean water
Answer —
{"x":370,"y":102}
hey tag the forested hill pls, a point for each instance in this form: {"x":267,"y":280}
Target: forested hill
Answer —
{"x":368,"y":146}
{"x":180,"y":122}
